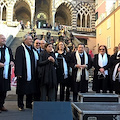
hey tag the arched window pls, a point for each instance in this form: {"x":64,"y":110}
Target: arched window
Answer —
{"x":83,"y":20}
{"x":88,"y":21}
{"x":4,"y":14}
{"x":78,"y":20}
{"x":83,"y":16}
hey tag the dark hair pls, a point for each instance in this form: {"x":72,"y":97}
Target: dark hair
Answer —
{"x":104,"y":47}
{"x":81,"y":44}
{"x":65,"y":49}
{"x":46,"y":44}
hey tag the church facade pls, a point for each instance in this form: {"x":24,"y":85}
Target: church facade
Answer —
{"x":76,"y":14}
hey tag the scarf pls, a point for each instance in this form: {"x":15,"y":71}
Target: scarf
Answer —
{"x":79,"y":71}
{"x":115,"y":74}
{"x":64,"y":66}
{"x":118,"y":53}
{"x":36,"y":57}
{"x":28,"y":62}
{"x":7,"y":61}
{"x":102,"y":61}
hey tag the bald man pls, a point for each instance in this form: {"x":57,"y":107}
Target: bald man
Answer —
{"x":25,"y":66}
{"x":42,"y":44}
{"x":6,"y":61}
{"x":37,"y":46}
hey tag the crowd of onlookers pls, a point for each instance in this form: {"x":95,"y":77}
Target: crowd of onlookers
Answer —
{"x":43,"y":63}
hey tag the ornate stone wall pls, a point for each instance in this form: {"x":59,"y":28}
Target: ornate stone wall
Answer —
{"x":73,"y":9}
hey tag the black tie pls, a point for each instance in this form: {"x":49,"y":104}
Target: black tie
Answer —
{"x":2,"y":54}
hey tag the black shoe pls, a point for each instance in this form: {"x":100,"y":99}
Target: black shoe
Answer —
{"x":3,"y":109}
{"x":21,"y":109}
{"x":29,"y":107}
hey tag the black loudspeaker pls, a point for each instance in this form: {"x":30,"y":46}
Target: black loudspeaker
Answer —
{"x":52,"y":111}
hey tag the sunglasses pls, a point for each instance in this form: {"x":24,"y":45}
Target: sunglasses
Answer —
{"x":102,"y":49}
{"x":38,"y":43}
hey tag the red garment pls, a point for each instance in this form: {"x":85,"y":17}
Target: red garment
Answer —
{"x":13,"y":78}
{"x":91,"y":54}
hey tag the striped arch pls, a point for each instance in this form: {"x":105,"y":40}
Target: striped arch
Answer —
{"x":70,"y":6}
{"x":3,"y":3}
{"x":27,"y":1}
{"x":84,"y":6}
{"x":3,"y":11}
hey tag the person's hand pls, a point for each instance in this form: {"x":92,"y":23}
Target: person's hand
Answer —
{"x":119,"y":69}
{"x":51,"y":59}
{"x":12,"y":63}
{"x":78,"y":66}
{"x":102,"y":70}
{"x":19,"y":77}
{"x":83,"y":66}
{"x":2,"y":65}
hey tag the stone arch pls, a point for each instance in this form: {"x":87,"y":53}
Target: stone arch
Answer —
{"x":29,"y":2}
{"x":88,"y":10}
{"x":4,"y":13}
{"x":22,"y":11}
{"x":44,"y":7}
{"x":64,"y":13}
{"x":3,"y":10}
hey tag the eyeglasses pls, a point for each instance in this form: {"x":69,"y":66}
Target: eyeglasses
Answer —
{"x":102,"y":49}
{"x":38,"y":43}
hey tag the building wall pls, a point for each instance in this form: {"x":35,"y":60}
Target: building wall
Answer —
{"x":107,"y":32}
{"x":71,"y":5}
{"x":91,"y":42}
{"x":101,"y":5}
{"x":117,"y":27}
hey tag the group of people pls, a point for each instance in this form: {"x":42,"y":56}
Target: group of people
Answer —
{"x":40,"y":69}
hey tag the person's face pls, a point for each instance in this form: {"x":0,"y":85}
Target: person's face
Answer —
{"x":2,"y":40}
{"x":81,"y":48}
{"x":102,"y":50}
{"x":61,"y":46}
{"x":37,"y":44}
{"x":49,"y":48}
{"x":29,"y":41}
{"x":42,"y":44}
{"x":119,"y":46}
{"x":87,"y":50}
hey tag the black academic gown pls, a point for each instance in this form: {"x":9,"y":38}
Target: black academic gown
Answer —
{"x":99,"y":83}
{"x":83,"y":83}
{"x":114,"y":61}
{"x":60,"y":68}
{"x":24,"y":86}
{"x":46,"y":70}
{"x":5,"y":84}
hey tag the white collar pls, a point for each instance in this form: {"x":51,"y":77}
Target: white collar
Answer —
{"x":2,"y":46}
{"x":81,"y":54}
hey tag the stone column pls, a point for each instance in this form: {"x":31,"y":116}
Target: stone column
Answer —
{"x":53,"y":18}
{"x":1,"y":13}
{"x":85,"y":21}
{"x":9,"y":15}
{"x":74,"y":20}
{"x":32,"y":15}
{"x":81,"y":20}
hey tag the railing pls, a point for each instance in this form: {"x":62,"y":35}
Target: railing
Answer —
{"x":67,"y":27}
{"x":75,"y":40}
{"x":84,"y":29}
{"x":9,"y":31}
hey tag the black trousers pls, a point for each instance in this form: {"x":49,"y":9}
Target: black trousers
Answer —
{"x":81,"y":86}
{"x":62,"y":88}
{"x":2,"y":98}
{"x":28,"y":100}
{"x":46,"y":91}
